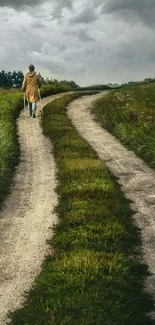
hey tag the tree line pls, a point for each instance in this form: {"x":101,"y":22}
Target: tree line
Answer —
{"x":14,"y":79}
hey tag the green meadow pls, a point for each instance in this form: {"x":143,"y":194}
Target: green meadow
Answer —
{"x":129,"y":114}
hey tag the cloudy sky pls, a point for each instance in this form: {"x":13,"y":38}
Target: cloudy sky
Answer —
{"x":88,"y":41}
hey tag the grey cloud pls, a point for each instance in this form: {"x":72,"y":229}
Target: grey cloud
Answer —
{"x":60,"y":4}
{"x":87,"y":16}
{"x":141,"y":10}
{"x":83,"y":36}
{"x":80,"y":34}
{"x":55,"y":68}
{"x":105,"y":51}
{"x":38,"y":25}
{"x":19,"y":3}
{"x":112,"y":5}
{"x":49,"y":63}
{"x":136,"y":53}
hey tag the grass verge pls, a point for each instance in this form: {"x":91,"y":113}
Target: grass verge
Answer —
{"x":10,"y":106}
{"x":129,"y":114}
{"x":93,"y":276}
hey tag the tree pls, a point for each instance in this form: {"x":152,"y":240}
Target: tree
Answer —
{"x":71,"y":84}
{"x":11,"y":79}
{"x":3,"y":79}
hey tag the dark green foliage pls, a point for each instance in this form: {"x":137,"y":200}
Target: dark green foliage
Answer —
{"x":93,"y":275}
{"x":95,"y":87}
{"x":11,"y":79}
{"x":71,"y":84}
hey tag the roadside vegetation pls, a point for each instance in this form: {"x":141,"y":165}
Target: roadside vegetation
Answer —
{"x":11,"y":103}
{"x":94,"y":87}
{"x":93,"y":275}
{"x":129,"y":114}
{"x":53,"y":88}
{"x":10,"y":106}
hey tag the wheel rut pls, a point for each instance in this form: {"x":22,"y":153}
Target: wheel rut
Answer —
{"x":27,"y":215}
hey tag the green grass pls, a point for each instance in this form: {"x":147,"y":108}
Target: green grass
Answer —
{"x":129,"y":114}
{"x":10,"y":106}
{"x":93,"y":275}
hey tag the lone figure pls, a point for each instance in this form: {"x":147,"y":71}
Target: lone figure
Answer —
{"x":30,"y":86}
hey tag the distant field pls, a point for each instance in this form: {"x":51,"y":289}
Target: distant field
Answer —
{"x":129,"y":114}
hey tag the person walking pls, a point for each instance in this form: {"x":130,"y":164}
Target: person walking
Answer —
{"x":30,"y":86}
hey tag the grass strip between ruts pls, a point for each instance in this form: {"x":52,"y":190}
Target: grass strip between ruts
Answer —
{"x":129,"y":114}
{"x":93,"y":276}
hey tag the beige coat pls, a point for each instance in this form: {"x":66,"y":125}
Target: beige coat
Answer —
{"x":30,"y":86}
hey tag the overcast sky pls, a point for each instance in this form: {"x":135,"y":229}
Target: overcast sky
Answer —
{"x":88,"y":41}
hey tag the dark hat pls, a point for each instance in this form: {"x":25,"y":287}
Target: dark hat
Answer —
{"x":31,"y":67}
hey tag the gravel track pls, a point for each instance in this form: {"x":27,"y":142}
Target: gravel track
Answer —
{"x":136,"y":178}
{"x":27,"y":215}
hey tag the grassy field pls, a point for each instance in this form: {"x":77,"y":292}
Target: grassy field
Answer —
{"x":93,"y":275}
{"x":129,"y":114}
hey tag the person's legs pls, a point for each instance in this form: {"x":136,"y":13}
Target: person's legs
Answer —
{"x":34,"y":106}
{"x":30,"y":108}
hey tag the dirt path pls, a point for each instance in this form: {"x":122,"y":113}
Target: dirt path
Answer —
{"x":136,"y":178}
{"x":27,"y":216}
